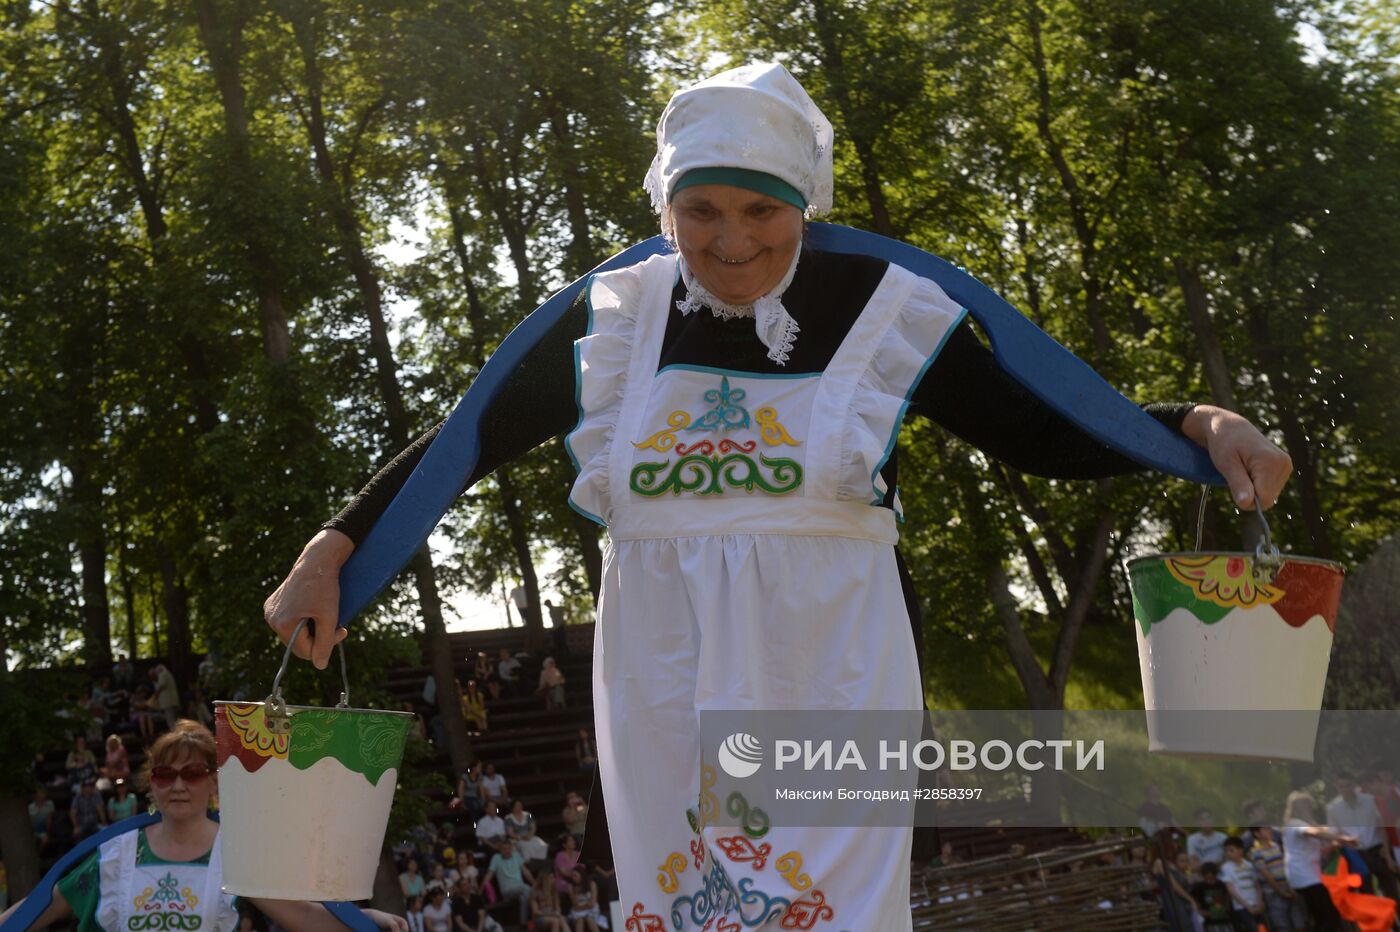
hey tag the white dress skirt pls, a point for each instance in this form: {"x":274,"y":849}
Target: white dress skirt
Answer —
{"x":750,"y":566}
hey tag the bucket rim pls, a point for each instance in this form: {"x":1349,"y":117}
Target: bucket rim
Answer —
{"x":321,"y":708}
{"x":1283,"y":557}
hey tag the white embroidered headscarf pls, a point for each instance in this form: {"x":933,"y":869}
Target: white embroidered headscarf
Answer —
{"x":759,"y":119}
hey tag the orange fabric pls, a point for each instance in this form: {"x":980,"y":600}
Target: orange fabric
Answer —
{"x":1370,"y":913}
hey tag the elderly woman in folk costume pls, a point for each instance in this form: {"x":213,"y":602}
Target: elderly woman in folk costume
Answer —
{"x":167,"y":875}
{"x":732,"y":409}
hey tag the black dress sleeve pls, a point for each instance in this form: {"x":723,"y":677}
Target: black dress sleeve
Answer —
{"x":536,"y":404}
{"x":967,"y":392}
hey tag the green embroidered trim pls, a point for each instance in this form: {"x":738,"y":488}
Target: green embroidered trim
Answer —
{"x":366,"y":743}
{"x":708,"y":475}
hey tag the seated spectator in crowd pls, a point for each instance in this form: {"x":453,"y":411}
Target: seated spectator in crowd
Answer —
{"x":444,"y":849}
{"x":545,"y":911}
{"x":585,"y":912}
{"x":469,"y":791}
{"x":519,"y":823}
{"x":586,"y":751}
{"x":1282,"y":904}
{"x":552,"y":685}
{"x":565,"y":863}
{"x":484,"y":672}
{"x":575,"y":816}
{"x":122,"y":805}
{"x":512,"y":878}
{"x":80,"y":764}
{"x":508,"y":674}
{"x":87,"y":811}
{"x":41,"y":821}
{"x":99,"y":707}
{"x":165,"y":694}
{"x":533,"y":849}
{"x":438,"y":879}
{"x":1153,"y":815}
{"x":123,"y":674}
{"x":143,"y":714}
{"x":198,"y":709}
{"x":946,"y":856}
{"x":466,"y":868}
{"x":411,"y":882}
{"x":1355,"y":813}
{"x":1304,"y":845}
{"x":474,"y":707}
{"x":437,"y":913}
{"x":1205,"y":844}
{"x":491,"y":829}
{"x":469,"y":908}
{"x":116,"y":765}
{"x":1241,"y":879}
{"x":493,"y":786}
{"x":1213,"y":899}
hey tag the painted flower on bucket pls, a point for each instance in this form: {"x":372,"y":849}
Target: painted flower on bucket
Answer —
{"x":1228,"y":581}
{"x":249,"y":724}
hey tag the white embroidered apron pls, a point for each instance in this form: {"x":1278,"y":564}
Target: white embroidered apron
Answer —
{"x":138,"y":897}
{"x":749,"y":566}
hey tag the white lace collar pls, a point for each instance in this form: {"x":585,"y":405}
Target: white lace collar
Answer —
{"x":774,"y":326}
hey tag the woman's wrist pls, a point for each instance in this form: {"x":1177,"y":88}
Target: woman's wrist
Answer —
{"x":1198,"y":422}
{"x":329,"y":544}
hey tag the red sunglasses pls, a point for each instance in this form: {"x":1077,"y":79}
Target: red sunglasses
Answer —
{"x":192,"y":774}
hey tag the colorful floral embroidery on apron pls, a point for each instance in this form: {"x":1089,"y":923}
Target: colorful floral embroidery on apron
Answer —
{"x":707,"y":467}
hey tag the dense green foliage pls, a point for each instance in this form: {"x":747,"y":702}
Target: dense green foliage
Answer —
{"x":248,"y":248}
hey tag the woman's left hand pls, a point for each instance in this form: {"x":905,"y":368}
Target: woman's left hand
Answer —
{"x":1251,"y":464}
{"x":386,"y":920}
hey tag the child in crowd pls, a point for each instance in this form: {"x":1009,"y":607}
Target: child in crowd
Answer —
{"x":1239,"y":877}
{"x":1281,"y":903}
{"x":414,"y":914}
{"x":1213,"y":899}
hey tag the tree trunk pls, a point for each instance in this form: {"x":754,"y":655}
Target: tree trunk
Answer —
{"x":92,"y":552}
{"x":398,"y":425}
{"x":176,"y":599}
{"x":1295,"y":435}
{"x":515,"y":521}
{"x":439,"y":649}
{"x":221,"y":31}
{"x":1079,"y":215}
{"x":833,"y":63}
{"x":1193,"y":290}
{"x":17,"y":841}
{"x":579,"y":259}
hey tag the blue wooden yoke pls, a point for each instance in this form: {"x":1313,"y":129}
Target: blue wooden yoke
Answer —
{"x":1045,"y":367}
{"x":41,"y":896}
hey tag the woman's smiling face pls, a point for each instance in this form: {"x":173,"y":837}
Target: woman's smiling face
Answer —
{"x":737,"y":242}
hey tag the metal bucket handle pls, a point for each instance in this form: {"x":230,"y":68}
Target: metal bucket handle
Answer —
{"x":1267,"y":559}
{"x":279,"y":720}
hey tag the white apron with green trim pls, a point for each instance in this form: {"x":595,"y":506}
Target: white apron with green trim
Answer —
{"x":138,"y":897}
{"x":750,"y":565}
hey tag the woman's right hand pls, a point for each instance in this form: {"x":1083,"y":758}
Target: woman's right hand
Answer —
{"x":312,"y":590}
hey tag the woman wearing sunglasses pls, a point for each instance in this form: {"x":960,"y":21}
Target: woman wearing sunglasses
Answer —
{"x":166,"y":876}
